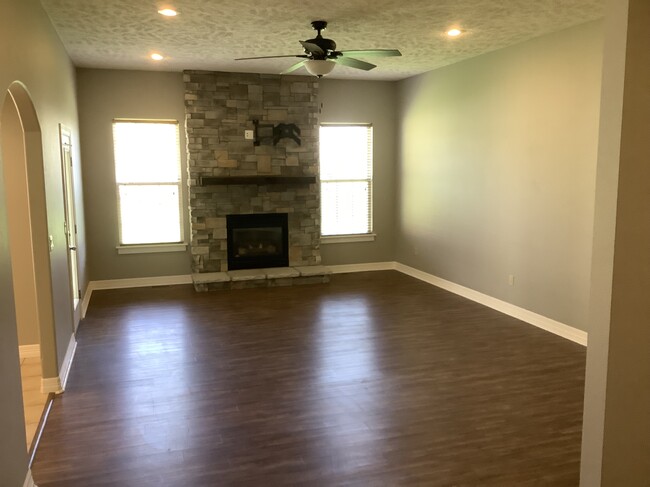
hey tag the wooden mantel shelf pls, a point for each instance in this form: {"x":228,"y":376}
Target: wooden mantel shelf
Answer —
{"x":259,"y":180}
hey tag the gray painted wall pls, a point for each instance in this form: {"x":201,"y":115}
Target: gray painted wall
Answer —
{"x":497,"y":172}
{"x":107,"y":94}
{"x":373,"y":102}
{"x":33,"y":54}
{"x":102,"y":96}
{"x":13,"y":451}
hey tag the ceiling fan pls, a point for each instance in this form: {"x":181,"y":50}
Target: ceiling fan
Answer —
{"x":320,"y":55}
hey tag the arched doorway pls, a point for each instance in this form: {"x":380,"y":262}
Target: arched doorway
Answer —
{"x":24,"y":187}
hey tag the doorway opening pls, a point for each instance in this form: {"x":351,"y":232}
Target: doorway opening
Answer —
{"x":24,"y":187}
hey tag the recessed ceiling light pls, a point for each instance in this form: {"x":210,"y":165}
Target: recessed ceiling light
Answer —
{"x":157,"y":57}
{"x":168,"y":12}
{"x":454,"y":32}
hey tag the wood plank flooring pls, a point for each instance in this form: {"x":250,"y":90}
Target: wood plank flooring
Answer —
{"x":375,"y":379}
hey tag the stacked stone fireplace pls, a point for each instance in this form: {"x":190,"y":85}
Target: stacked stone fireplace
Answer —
{"x":230,"y":175}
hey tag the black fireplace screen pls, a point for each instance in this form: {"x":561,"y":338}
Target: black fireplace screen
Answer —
{"x":257,"y":240}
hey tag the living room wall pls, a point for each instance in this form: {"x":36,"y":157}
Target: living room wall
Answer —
{"x":374,"y":102}
{"x":496,"y":173}
{"x":107,"y":94}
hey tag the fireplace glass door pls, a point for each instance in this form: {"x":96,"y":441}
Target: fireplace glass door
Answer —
{"x":257,"y":241}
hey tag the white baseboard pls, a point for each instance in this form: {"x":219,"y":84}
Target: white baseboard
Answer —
{"x":130,"y":283}
{"x":141,"y":282}
{"x":57,"y":384}
{"x":51,"y":384}
{"x":29,"y":351}
{"x":555,"y":327}
{"x":29,"y":481}
{"x":76,"y":313}
{"x":372,"y":266}
{"x":86,"y":300}
{"x":67,"y":362}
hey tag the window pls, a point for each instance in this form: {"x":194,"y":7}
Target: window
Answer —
{"x":148,"y":177}
{"x":346,"y":179}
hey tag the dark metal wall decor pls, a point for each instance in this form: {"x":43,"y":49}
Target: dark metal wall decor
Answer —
{"x":286,"y":131}
{"x":275,"y":133}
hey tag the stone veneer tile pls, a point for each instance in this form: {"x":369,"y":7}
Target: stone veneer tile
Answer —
{"x":264,"y":164}
{"x":247,"y":275}
{"x":281,"y":272}
{"x":218,"y":108}
{"x":313,"y":270}
{"x":206,"y":277}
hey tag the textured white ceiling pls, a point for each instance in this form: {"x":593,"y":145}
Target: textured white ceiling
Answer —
{"x":209,"y":34}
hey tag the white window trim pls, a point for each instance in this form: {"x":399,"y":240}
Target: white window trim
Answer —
{"x":360,"y":237}
{"x":357,"y":237}
{"x":153,"y":247}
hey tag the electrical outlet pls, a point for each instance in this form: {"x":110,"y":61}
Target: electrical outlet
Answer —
{"x":249,"y":135}
{"x":51,"y":242}
{"x":511,"y":280}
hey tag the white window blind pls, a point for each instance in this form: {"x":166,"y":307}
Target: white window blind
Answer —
{"x":148,"y":178}
{"x":346,"y":179}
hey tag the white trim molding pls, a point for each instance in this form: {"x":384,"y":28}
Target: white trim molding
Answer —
{"x":76,"y":313}
{"x":29,"y":480}
{"x":51,"y":384}
{"x":86,"y":301}
{"x":360,"y":237}
{"x":152,"y":248}
{"x":140,"y":282}
{"x":555,"y":327}
{"x":131,"y":283}
{"x":57,"y":384}
{"x":29,"y":351}
{"x":67,"y":362}
{"x":371,"y":266}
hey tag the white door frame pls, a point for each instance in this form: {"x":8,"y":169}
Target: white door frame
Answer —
{"x":70,"y":223}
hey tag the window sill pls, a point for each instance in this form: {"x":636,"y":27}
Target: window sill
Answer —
{"x":151,"y":248}
{"x":332,"y":239}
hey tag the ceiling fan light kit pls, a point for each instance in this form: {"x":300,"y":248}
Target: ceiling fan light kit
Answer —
{"x":319,"y":67}
{"x":320,"y":55}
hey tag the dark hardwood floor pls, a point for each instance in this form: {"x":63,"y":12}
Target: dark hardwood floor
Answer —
{"x":375,"y":379}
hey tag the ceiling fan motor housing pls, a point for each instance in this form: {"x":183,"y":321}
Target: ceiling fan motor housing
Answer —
{"x":327,"y":45}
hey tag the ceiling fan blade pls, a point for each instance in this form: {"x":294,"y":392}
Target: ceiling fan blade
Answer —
{"x":354,"y":63}
{"x":311,"y":47}
{"x":291,"y":69}
{"x":372,"y":52}
{"x":270,"y":57}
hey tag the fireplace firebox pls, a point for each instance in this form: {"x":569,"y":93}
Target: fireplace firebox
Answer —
{"x":258,"y":240}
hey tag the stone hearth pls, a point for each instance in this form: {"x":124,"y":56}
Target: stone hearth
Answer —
{"x":277,"y":276}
